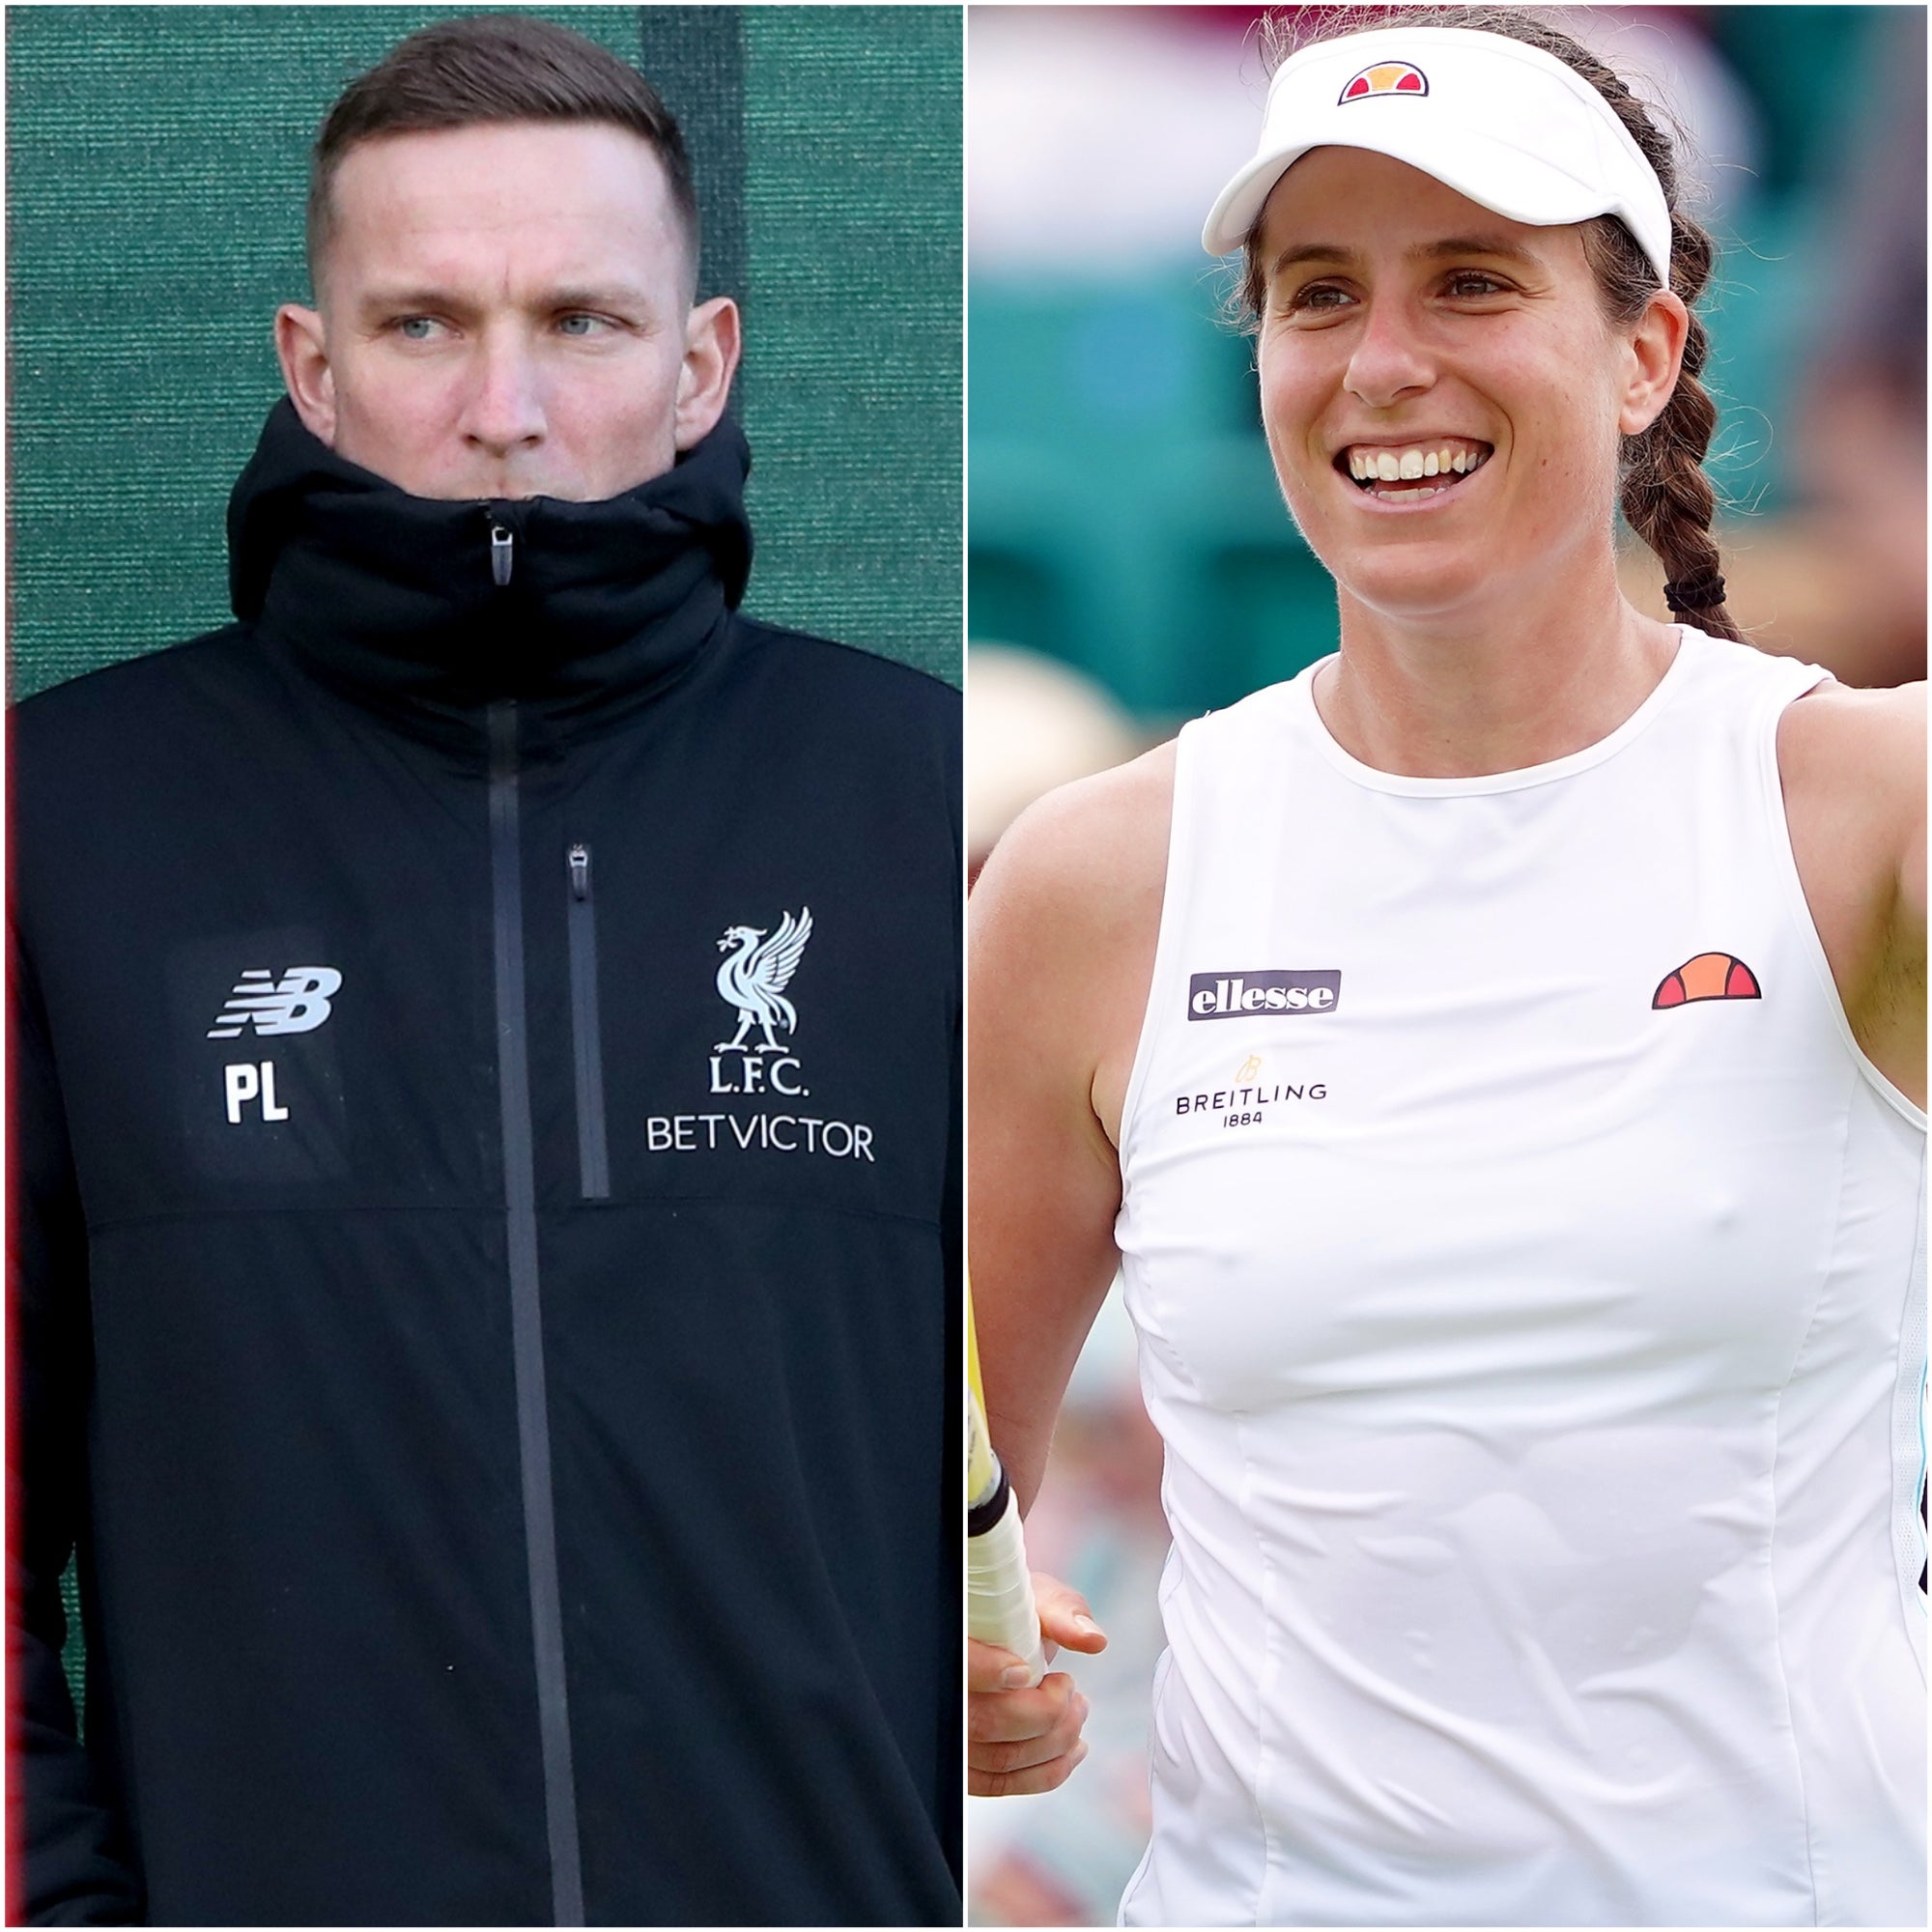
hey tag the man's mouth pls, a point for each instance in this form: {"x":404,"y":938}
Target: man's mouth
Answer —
{"x":1406,"y":472}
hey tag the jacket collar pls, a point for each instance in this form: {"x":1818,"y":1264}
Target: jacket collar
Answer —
{"x":395,"y":599}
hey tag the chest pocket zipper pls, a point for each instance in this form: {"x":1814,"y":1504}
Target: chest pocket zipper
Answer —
{"x":585,"y":1036}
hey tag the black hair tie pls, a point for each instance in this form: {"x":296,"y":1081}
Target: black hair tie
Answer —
{"x":1695,"y":593}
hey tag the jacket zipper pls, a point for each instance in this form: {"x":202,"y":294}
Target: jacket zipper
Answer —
{"x":586,"y":1034}
{"x":566,"y":1867}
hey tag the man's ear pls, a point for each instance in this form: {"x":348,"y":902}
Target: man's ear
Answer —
{"x":301,"y":348}
{"x":710,"y":362}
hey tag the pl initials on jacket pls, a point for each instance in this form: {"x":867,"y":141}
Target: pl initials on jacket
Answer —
{"x":485,"y":1050}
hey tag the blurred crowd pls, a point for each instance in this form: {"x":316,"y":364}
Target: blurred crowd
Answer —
{"x":1131,"y":564}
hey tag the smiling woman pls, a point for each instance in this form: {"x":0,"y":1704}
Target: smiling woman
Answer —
{"x":1437,"y":325}
{"x":1663,"y":492}
{"x":1536,"y":1350}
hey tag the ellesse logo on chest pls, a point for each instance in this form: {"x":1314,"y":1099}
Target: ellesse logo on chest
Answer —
{"x":1229,"y":996}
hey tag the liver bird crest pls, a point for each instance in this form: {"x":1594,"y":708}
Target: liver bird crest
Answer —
{"x":753,"y":977}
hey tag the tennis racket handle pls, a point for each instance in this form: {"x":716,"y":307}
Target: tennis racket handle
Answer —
{"x":999,"y":1591}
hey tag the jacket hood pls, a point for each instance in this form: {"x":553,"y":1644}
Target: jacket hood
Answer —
{"x":429,"y":609}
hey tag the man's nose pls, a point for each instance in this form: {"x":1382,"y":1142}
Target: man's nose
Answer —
{"x":505,"y":403}
{"x":1390,"y":359}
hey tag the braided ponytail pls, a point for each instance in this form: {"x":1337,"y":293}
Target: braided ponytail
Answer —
{"x":1665,"y":496}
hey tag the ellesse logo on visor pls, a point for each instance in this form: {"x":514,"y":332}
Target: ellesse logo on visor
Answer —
{"x":1231,"y":996}
{"x":1384,"y":77}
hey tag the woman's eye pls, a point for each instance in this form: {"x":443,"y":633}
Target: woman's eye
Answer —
{"x":1319,"y":296}
{"x":1474,"y":282}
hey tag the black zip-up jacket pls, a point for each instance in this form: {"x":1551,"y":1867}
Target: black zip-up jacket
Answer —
{"x":485,"y":1143}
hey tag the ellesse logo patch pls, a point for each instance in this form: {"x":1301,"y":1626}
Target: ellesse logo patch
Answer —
{"x":1231,"y":996}
{"x":1710,"y":976}
{"x":1385,"y":78}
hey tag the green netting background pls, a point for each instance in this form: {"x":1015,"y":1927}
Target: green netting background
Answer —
{"x":156,"y":166}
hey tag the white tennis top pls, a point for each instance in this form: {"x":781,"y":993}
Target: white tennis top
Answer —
{"x":1528,"y":1272}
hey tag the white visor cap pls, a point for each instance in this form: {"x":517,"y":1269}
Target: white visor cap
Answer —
{"x":1504,"y":124}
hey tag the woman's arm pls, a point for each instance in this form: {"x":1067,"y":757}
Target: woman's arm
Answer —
{"x":1853,"y":768}
{"x":1060,"y":944}
{"x":1061,"y":939}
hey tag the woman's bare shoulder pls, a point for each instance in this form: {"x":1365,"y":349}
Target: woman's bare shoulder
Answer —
{"x":1066,"y":921}
{"x":1093,"y":850}
{"x":1869,"y":745}
{"x":1852,"y":765}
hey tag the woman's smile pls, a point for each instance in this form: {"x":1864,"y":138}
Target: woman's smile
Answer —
{"x":1408,"y":475}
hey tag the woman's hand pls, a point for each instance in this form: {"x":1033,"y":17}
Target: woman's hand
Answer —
{"x":1021,"y":1740}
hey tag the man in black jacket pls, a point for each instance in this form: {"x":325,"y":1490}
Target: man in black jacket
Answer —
{"x":484,"y":1033}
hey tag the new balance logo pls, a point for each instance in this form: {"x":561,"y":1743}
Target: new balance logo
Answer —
{"x":296,"y":1002}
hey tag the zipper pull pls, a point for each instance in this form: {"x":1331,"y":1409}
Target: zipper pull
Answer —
{"x":580,"y":871}
{"x":502,"y":548}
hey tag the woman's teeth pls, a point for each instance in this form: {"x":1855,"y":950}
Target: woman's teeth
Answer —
{"x":1373,"y":469}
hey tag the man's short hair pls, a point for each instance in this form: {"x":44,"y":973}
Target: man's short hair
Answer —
{"x":494,"y":68}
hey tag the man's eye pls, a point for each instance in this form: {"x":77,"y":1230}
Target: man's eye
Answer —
{"x":583,"y":324}
{"x":415,"y":327}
